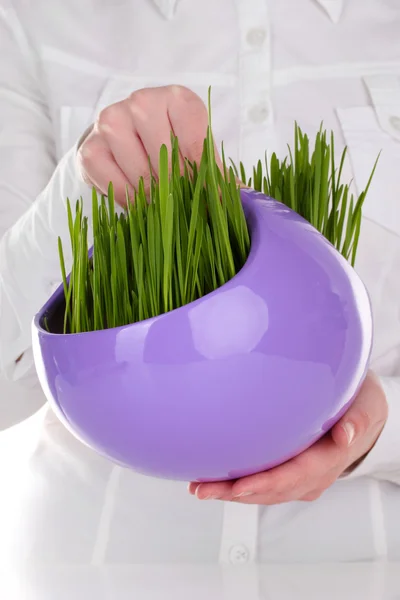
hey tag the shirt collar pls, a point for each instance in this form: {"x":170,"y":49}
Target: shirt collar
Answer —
{"x":334,"y":8}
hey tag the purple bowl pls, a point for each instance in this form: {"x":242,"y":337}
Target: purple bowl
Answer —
{"x":231,"y":384}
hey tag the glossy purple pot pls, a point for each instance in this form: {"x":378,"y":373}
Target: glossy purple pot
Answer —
{"x":232,"y":384}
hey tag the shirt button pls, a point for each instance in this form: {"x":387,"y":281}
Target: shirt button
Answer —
{"x":259,"y":114}
{"x":256,"y":37}
{"x":395,"y":122}
{"x":239,"y":555}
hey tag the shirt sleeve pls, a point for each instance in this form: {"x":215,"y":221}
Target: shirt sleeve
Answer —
{"x":383,"y":461}
{"x":33,"y":192}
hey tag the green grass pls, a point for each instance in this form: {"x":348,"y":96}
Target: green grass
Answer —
{"x":310,"y":183}
{"x":187,"y":239}
{"x":190,"y":236}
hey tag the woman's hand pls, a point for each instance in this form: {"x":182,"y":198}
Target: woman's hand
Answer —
{"x":127,"y":133}
{"x":308,"y":475}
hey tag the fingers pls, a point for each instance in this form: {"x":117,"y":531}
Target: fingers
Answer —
{"x":189,"y":119}
{"x":149,"y":111}
{"x":117,"y":128}
{"x":211,"y":491}
{"x":192,"y":487}
{"x":307,"y":476}
{"x":289,"y":481}
{"x":317,"y":467}
{"x":128,"y":133}
{"x":98,"y":168}
{"x":365,"y":418}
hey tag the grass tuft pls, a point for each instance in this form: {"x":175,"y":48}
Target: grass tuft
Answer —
{"x":163,"y":252}
{"x":311,"y":185}
{"x":190,"y":236}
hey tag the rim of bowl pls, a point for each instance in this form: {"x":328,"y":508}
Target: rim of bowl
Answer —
{"x":251,"y":200}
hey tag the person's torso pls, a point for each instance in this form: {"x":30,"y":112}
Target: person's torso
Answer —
{"x":269,"y":63}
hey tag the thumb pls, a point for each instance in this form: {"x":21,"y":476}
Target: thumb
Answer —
{"x":365,"y":417}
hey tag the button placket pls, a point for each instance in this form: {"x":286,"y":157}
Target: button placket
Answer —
{"x":255,"y":79}
{"x":256,"y":37}
{"x":239,"y":537}
{"x":239,"y":554}
{"x":259,"y":114}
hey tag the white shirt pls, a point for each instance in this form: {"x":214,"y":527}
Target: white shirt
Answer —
{"x":269,"y":62}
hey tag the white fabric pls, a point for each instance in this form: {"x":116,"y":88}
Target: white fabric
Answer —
{"x":333,"y":8}
{"x":269,"y":62}
{"x":351,"y":581}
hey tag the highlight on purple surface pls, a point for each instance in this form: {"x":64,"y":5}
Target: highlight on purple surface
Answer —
{"x":234,"y":383}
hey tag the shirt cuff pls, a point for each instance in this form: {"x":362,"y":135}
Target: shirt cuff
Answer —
{"x":383,"y":461}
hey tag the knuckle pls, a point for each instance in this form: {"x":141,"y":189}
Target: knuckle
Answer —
{"x":186,"y":95}
{"x":182,"y":92}
{"x":312,"y":496}
{"x":139,"y":103}
{"x":285,"y":484}
{"x":87,"y":152}
{"x":109,"y":117}
{"x":331,"y":478}
{"x":140,"y":96}
{"x":85,"y":163}
{"x":362,"y":420}
{"x":308,"y":463}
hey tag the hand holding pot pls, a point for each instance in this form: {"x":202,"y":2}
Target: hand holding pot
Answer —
{"x":128,"y":133}
{"x":308,"y":475}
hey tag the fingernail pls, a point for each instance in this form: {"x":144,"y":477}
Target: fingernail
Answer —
{"x":244,"y":494}
{"x":192,"y":492}
{"x":350,"y":432}
{"x":211,"y":497}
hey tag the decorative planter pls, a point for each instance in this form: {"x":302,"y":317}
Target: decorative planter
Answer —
{"x":232,"y":384}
